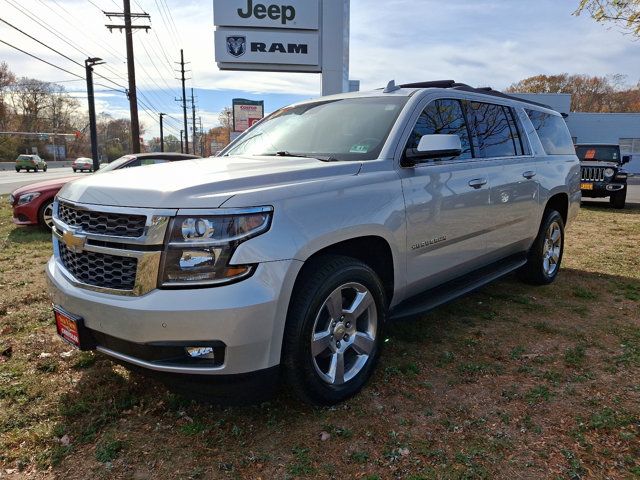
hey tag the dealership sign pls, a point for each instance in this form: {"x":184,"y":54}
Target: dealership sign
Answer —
{"x":285,"y":36}
{"x":303,"y":15}
{"x":267,"y":47}
{"x":246,"y":113}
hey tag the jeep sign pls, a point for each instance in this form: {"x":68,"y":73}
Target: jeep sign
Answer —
{"x":266,"y":46}
{"x":285,"y":36}
{"x":292,"y":14}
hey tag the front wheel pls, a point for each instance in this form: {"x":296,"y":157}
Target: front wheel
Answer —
{"x":44,"y":169}
{"x":45,"y":216}
{"x":618,"y":199}
{"x":334,"y":329}
{"x":545,"y":255}
{"x":18,"y":169}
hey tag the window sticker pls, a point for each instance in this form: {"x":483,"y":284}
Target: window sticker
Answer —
{"x":359,"y":149}
{"x":591,"y":154}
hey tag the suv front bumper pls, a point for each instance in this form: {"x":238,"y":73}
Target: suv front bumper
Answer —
{"x":244,"y":321}
{"x":602,"y":189}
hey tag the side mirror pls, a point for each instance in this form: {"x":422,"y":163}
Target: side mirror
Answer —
{"x":435,"y":146}
{"x":626,"y":159}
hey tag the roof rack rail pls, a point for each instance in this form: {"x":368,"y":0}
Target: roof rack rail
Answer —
{"x":432,"y":84}
{"x":467,"y":88}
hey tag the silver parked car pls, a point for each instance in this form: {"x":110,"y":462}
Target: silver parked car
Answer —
{"x":287,"y":255}
{"x":81,"y":164}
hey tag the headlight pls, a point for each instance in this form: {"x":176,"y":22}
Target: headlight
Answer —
{"x":609,"y":172}
{"x":28,"y":197}
{"x":200,"y":247}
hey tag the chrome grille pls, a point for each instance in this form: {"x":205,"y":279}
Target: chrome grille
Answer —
{"x":593,"y":174}
{"x":102,"y":223}
{"x":100,"y":269}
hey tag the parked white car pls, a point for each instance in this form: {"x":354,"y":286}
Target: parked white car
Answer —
{"x":287,"y":255}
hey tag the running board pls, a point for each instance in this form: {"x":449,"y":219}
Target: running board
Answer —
{"x":449,"y":291}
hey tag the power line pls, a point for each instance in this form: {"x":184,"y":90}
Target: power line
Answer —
{"x":55,"y":66}
{"x":41,"y":43}
{"x":62,"y":37}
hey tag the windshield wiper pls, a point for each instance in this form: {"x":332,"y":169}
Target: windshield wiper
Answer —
{"x":284,"y":153}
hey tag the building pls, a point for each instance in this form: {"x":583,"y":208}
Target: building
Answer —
{"x":618,"y":128}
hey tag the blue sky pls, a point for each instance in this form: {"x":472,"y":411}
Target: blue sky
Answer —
{"x":479,"y":42}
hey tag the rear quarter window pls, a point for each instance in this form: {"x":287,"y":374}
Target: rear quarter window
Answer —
{"x":552,"y":132}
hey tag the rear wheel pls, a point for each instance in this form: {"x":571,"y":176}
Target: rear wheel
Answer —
{"x":618,"y":199}
{"x":74,"y":170}
{"x":45,"y":215}
{"x":545,"y":256}
{"x":18,"y":169}
{"x":44,"y":169}
{"x":334,"y":329}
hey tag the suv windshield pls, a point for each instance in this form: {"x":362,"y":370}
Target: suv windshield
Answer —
{"x":343,"y":129}
{"x":603,"y":153}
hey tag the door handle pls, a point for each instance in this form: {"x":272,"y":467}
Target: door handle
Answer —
{"x":477,"y":182}
{"x":529,"y":174}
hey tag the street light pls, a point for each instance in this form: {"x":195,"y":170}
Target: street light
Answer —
{"x":89,"y":63}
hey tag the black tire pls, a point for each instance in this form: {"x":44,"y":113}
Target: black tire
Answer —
{"x":18,"y":169}
{"x":618,"y":199}
{"x":74,"y":170}
{"x":534,"y":271}
{"x":319,"y":278}
{"x":42,"y":223}
{"x":44,"y":169}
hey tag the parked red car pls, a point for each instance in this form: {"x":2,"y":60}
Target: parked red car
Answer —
{"x":33,"y":204}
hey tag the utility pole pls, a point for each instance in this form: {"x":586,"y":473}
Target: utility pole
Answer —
{"x":181,"y":141}
{"x":132,"y":93}
{"x":161,"y":133}
{"x":193,"y":121}
{"x":184,"y":102}
{"x":89,"y":63}
{"x":201,"y":137}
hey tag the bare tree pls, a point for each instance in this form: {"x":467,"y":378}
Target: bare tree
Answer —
{"x":226,"y":121}
{"x":624,"y":13}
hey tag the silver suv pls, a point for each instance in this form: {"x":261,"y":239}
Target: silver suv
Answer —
{"x":287,"y":254}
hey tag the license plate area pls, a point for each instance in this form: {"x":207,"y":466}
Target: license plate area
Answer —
{"x":586,"y":186}
{"x":72,"y":330}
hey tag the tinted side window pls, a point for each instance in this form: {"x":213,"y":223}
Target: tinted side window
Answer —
{"x":442,"y":117}
{"x":493,"y":133}
{"x":553,"y":133}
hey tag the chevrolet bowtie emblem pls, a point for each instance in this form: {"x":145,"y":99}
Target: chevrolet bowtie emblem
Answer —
{"x":73,"y":241}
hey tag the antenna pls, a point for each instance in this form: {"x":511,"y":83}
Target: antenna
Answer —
{"x":391,"y":87}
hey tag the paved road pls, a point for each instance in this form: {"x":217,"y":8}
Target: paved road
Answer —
{"x":11,"y":180}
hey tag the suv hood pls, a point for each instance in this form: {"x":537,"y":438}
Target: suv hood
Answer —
{"x":43,"y":186}
{"x":201,"y":183}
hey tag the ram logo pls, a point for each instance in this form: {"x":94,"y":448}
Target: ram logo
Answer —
{"x":236,"y":46}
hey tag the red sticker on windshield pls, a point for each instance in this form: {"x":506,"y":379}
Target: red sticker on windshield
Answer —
{"x":591,"y":154}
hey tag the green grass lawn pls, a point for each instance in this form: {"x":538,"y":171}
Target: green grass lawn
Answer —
{"x":510,"y":382}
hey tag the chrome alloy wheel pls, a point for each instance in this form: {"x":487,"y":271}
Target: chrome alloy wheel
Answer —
{"x":551,"y":249}
{"x":344,"y":333}
{"x":47,"y":216}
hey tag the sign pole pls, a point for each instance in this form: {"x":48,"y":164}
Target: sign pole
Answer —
{"x":335,"y":46}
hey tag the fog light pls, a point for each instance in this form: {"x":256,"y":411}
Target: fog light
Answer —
{"x":200,"y":352}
